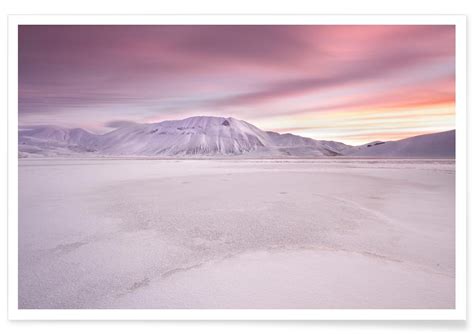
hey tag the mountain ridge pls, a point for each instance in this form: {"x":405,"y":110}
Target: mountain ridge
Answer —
{"x":205,"y":136}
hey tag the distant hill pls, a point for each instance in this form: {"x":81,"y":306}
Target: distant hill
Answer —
{"x":435,"y":145}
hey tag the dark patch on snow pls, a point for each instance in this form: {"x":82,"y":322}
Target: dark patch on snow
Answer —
{"x":226,"y":123}
{"x":139,"y":284}
{"x":375,"y":144}
{"x":177,"y":270}
{"x":331,"y":153}
{"x":66,"y":248}
{"x":375,"y":197}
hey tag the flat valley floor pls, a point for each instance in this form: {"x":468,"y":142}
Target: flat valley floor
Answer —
{"x":328,"y":233}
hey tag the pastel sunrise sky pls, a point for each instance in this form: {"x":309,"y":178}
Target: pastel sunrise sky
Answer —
{"x":353,"y":84}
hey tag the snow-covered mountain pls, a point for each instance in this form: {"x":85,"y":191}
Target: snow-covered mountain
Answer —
{"x":191,"y":136}
{"x":434,"y":145}
{"x":54,"y":140}
{"x":211,"y":136}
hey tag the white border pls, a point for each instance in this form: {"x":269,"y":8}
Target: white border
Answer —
{"x":459,"y":313}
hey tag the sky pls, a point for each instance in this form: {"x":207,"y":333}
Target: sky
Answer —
{"x":353,"y":84}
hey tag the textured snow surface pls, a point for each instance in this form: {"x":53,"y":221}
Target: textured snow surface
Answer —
{"x":340,"y":233}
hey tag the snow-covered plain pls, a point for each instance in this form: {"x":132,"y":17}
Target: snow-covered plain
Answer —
{"x":144,"y":233}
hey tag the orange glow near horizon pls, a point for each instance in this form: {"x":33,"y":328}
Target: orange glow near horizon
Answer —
{"x":357,"y":127}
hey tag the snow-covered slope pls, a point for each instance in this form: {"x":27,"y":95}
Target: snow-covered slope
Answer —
{"x":435,"y":145}
{"x":297,"y":145}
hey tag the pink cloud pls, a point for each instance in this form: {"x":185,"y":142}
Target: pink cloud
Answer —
{"x":149,"y":72}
